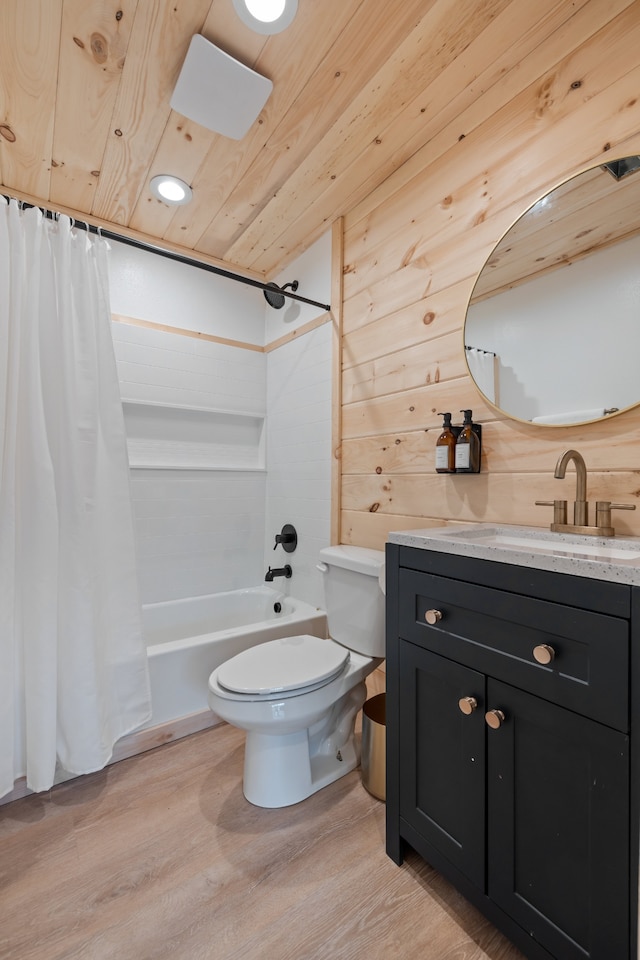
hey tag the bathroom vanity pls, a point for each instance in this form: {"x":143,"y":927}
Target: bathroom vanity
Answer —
{"x":512,"y":716}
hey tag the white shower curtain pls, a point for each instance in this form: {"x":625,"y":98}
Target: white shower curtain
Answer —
{"x":73,"y":669}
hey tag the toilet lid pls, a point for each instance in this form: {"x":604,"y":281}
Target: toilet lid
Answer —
{"x":289,"y":663}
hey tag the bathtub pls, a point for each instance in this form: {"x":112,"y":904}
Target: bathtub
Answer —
{"x":187,"y":639}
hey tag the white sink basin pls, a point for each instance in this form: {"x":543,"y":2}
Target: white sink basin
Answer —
{"x":561,"y":546}
{"x":616,"y":559}
{"x":539,"y":541}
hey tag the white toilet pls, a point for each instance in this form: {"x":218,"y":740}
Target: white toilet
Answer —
{"x":298,"y":697}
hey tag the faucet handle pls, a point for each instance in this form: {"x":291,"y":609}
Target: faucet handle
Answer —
{"x":287,"y":537}
{"x":559,"y":509}
{"x":604,"y":508}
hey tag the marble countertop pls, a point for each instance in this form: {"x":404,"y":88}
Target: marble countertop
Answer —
{"x":616,"y":559}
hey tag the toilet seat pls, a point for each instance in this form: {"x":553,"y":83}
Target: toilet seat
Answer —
{"x":288,"y":665}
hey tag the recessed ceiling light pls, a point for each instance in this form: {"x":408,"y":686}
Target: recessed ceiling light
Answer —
{"x":170,"y":189}
{"x":265,"y":10}
{"x":266,"y":16}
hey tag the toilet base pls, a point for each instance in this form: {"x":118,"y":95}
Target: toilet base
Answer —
{"x":285,"y":769}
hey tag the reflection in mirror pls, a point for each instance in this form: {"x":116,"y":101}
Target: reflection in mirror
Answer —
{"x":552,"y":332}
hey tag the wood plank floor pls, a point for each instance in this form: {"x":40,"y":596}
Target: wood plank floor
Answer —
{"x":160,"y":857}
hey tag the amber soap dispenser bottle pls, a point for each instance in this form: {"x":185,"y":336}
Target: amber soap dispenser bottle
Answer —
{"x":468,"y":446}
{"x":446,"y":446}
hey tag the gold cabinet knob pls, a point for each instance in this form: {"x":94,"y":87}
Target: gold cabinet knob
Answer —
{"x":433,"y":616}
{"x":543,"y":653}
{"x":467,"y":705}
{"x":494,"y":719}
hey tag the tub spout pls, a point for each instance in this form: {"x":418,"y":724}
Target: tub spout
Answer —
{"x":285,"y":571}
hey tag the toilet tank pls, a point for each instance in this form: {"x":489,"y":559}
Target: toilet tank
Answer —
{"x":354,"y":600}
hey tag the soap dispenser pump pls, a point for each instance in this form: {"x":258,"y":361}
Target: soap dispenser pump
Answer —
{"x":468,"y":445}
{"x":446,"y":446}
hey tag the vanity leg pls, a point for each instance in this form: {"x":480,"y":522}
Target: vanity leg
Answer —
{"x":395,"y":846}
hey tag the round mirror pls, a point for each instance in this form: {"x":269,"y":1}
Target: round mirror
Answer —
{"x":552,"y":332}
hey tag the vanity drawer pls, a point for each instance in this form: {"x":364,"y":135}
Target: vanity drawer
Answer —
{"x":496,"y":632}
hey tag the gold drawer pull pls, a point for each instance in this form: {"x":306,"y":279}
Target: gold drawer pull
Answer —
{"x":433,"y":616}
{"x":494,"y":719}
{"x":544,"y":654}
{"x":467,"y":705}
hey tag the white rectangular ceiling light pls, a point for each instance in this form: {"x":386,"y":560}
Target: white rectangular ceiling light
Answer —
{"x":218,"y":92}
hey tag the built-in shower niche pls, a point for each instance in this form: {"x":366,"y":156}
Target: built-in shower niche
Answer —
{"x":172,"y":437}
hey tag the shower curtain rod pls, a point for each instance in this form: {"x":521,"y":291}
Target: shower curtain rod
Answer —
{"x":178,"y":257}
{"x":204,"y":266}
{"x":488,"y":353}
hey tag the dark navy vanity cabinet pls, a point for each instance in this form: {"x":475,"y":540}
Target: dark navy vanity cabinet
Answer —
{"x":509,"y":734}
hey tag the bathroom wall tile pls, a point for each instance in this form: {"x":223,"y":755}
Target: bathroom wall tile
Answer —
{"x":196,"y":531}
{"x":299,"y":456}
{"x":206,"y":531}
{"x":154,"y":288}
{"x":167,"y":368}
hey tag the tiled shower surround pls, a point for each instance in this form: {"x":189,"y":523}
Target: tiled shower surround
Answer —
{"x":212,"y":485}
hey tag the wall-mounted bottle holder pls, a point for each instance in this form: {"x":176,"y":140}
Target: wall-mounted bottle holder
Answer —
{"x":451,"y":457}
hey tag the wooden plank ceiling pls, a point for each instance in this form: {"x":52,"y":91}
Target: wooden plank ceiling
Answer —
{"x":86,"y":122}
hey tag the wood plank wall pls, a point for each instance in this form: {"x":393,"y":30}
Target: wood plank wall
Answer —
{"x":546,"y":90}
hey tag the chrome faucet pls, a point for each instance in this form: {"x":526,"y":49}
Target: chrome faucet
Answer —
{"x":602,"y":527}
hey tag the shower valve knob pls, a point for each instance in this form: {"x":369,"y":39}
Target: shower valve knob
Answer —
{"x":288,"y":538}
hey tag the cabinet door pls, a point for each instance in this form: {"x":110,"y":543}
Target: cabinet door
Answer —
{"x":442,"y":757}
{"x":558,"y":826}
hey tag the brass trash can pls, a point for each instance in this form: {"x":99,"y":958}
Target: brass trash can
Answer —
{"x":374,"y":746}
